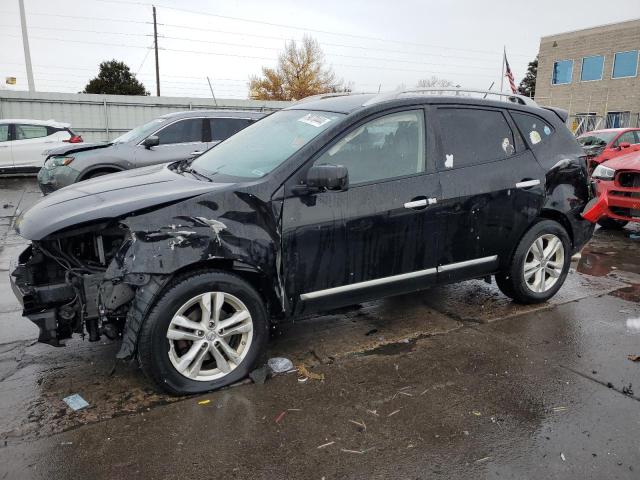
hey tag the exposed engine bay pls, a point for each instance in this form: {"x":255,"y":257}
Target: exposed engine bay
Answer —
{"x":61,"y":283}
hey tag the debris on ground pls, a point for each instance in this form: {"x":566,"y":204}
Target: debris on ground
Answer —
{"x":351,"y":451}
{"x":325,"y":445}
{"x":204,"y":402}
{"x":371,"y":332}
{"x":559,"y":409}
{"x":634,"y":358}
{"x":635,"y":236}
{"x":75,"y":402}
{"x":280,"y":416}
{"x":304,"y":373}
{"x":373,"y":412}
{"x":482,"y":459}
{"x":361,"y":425}
{"x":393,"y":413}
{"x":279,"y":365}
{"x":562,"y":457}
{"x":627,"y":390}
{"x":259,"y":375}
{"x":476,"y":413}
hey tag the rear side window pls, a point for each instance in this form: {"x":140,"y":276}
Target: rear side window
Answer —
{"x":533,"y":128}
{"x":223,"y":128}
{"x":26,"y":132}
{"x":182,"y":131}
{"x":628,"y":137}
{"x":4,"y":133}
{"x":473,"y":136}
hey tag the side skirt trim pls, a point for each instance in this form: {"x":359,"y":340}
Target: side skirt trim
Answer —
{"x":396,"y":278}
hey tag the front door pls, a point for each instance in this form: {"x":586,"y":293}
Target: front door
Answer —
{"x":376,"y":238}
{"x":492,"y":189}
{"x":178,"y":141}
{"x":6,"y":161}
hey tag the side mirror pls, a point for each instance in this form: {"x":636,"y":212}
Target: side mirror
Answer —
{"x":151,"y":141}
{"x":328,"y":177}
{"x":624,"y":145}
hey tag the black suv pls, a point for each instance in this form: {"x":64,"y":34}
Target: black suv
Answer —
{"x":329,"y":202}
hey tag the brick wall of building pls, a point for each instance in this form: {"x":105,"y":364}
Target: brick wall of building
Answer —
{"x":598,"y":96}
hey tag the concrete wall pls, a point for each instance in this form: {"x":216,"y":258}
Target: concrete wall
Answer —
{"x":104,"y":117}
{"x":600,"y":96}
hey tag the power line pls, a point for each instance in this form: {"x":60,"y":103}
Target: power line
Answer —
{"x":67,"y":29}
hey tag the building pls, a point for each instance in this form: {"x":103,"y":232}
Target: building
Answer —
{"x":592,"y":73}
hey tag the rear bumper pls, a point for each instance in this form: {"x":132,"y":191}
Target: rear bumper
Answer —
{"x":613,"y":201}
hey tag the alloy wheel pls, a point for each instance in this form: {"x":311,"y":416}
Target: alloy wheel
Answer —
{"x":209,"y":336}
{"x":544,"y":263}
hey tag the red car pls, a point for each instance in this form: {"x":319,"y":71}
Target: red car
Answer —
{"x":617,"y":192}
{"x":603,"y":145}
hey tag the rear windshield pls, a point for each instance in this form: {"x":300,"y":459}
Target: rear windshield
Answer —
{"x":596,"y":139}
{"x":261,"y":147}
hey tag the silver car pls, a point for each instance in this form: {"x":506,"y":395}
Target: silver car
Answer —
{"x":171,"y":137}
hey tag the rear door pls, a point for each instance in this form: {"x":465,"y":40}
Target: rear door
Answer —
{"x":30,"y":142}
{"x":178,"y":141}
{"x":6,"y":161}
{"x":492,"y":189}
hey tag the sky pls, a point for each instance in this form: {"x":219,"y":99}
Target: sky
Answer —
{"x":372,"y":44}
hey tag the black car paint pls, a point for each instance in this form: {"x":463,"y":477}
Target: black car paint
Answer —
{"x":290,"y":244}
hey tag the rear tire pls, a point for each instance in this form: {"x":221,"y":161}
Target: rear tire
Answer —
{"x":185,"y":347}
{"x":539,"y":265}
{"x":612,"y":223}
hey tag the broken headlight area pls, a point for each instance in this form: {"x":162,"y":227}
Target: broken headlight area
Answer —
{"x":60,"y":282}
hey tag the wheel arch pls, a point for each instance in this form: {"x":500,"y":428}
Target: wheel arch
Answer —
{"x":99,"y":168}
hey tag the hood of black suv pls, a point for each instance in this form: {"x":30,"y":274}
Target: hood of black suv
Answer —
{"x":108,"y":197}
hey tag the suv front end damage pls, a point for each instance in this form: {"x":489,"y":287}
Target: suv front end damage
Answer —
{"x":60,"y":283}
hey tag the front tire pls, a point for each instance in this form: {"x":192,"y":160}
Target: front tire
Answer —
{"x":207,"y":330}
{"x":539,"y":265}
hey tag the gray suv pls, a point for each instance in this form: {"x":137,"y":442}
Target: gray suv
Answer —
{"x":171,"y":137}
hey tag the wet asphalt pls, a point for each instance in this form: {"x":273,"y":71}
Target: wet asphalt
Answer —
{"x":453,"y":382}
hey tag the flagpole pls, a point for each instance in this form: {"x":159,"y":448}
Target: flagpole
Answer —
{"x":504,"y":55}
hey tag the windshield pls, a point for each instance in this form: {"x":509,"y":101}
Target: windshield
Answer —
{"x":140,"y":131}
{"x":261,"y":147}
{"x":596,"y":139}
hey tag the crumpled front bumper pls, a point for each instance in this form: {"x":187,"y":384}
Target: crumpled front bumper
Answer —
{"x":50,"y":180}
{"x":613,"y":201}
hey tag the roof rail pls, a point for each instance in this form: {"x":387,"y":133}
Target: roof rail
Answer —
{"x":511,"y":97}
{"x":320,"y":96}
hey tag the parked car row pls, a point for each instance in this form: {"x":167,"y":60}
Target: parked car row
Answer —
{"x":329,"y":202}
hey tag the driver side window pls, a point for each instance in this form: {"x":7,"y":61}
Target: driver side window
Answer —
{"x":387,"y":147}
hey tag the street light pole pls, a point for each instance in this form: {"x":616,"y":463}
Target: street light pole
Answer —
{"x":25,"y":45}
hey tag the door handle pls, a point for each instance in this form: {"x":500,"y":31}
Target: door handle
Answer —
{"x":527,"y":183}
{"x":420,"y":203}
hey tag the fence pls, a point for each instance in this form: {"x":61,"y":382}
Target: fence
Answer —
{"x":104,"y":117}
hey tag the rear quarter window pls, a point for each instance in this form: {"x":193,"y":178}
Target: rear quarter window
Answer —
{"x":473,"y":136}
{"x":533,"y":128}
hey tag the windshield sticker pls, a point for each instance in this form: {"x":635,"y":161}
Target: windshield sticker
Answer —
{"x":535,"y":137}
{"x":314,"y":119}
{"x":449,"y":161}
{"x":547,"y":130}
{"x":258,"y":173}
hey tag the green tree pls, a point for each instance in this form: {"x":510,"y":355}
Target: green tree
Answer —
{"x":115,"y":78}
{"x":528,"y":84}
{"x":301,"y":72}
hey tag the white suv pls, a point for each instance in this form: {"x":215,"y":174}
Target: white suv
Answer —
{"x":22,"y":142}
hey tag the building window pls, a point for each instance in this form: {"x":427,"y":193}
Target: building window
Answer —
{"x":562,"y":72}
{"x":617,"y":119}
{"x":592,"y":68}
{"x":625,"y":64}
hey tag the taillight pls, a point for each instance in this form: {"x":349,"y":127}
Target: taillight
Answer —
{"x":74,"y":139}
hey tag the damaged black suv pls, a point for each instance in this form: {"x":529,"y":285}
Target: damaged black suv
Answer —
{"x":329,"y":202}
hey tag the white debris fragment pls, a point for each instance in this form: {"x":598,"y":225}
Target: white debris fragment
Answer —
{"x":449,"y":161}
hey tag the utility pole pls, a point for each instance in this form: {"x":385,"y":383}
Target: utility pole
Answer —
{"x":155,"y":44}
{"x":504,"y":56}
{"x":25,"y":45}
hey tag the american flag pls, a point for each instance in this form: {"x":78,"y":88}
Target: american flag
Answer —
{"x":509,"y":74}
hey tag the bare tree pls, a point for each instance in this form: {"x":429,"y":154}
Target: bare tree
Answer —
{"x":435,"y":82}
{"x":301,"y":72}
